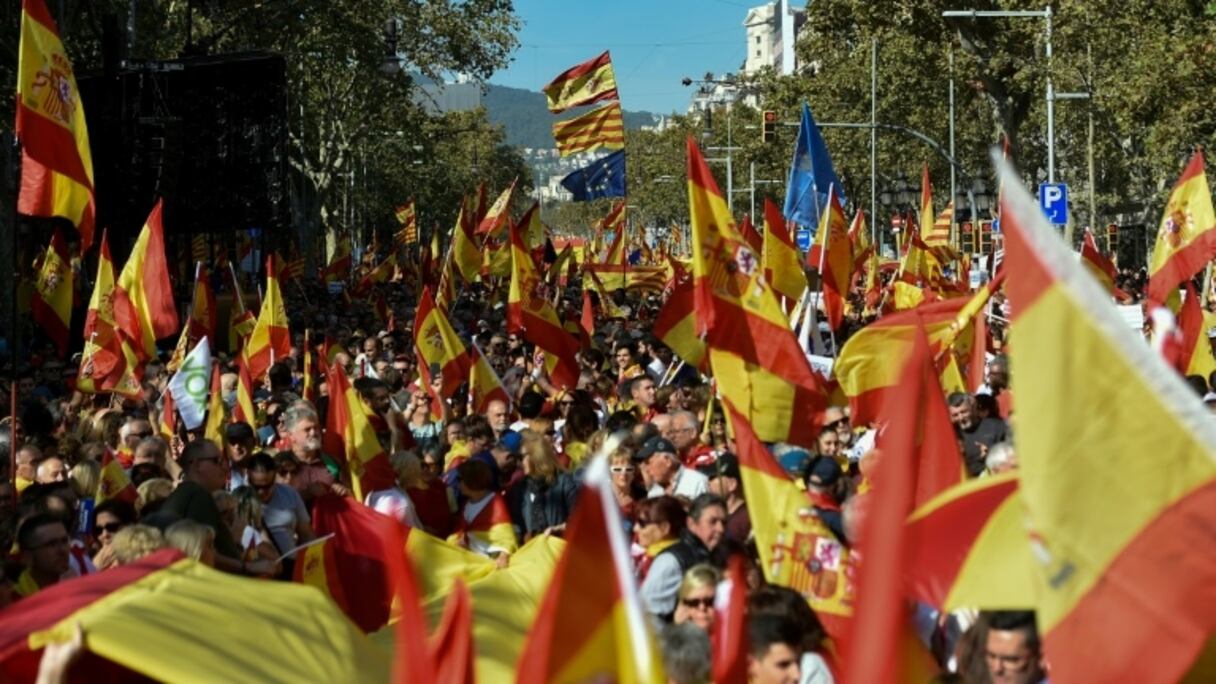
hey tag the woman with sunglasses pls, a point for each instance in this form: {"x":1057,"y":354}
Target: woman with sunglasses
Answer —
{"x":109,"y":517}
{"x":695,"y":598}
{"x":658,"y":525}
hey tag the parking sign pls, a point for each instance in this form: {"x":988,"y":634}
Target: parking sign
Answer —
{"x":804,"y":239}
{"x":1053,"y":200}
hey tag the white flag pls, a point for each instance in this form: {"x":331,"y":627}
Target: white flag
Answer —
{"x":191,"y":384}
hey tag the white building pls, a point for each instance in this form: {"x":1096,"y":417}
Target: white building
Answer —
{"x":764,"y":35}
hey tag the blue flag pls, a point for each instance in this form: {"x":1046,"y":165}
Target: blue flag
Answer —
{"x":604,"y":177}
{"x":811,"y":175}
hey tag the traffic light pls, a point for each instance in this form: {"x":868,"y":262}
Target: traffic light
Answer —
{"x":769,"y":126}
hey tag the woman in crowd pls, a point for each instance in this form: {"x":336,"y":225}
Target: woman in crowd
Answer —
{"x":695,"y":598}
{"x":542,"y":501}
{"x":109,"y":518}
{"x":433,"y":501}
{"x":193,"y":539}
{"x":657,"y":525}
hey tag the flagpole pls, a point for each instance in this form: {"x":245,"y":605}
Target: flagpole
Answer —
{"x":12,"y":172}
{"x":823,"y":252}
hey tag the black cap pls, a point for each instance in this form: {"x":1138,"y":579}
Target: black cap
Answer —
{"x":654,"y":445}
{"x":824,"y":471}
{"x":725,"y":465}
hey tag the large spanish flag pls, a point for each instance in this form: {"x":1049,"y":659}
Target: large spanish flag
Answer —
{"x":271,"y":338}
{"x":133,"y":616}
{"x":143,"y":300}
{"x":796,"y":548}
{"x":108,"y":363}
{"x":527,"y":310}
{"x":592,"y":631}
{"x":438,"y":345}
{"x":781,"y":260}
{"x":832,"y":256}
{"x":51,"y":304}
{"x":349,"y":436}
{"x":1123,"y":543}
{"x":56,"y":163}
{"x":746,"y":332}
{"x":1186,"y":239}
{"x":602,"y":127}
{"x":582,"y":84}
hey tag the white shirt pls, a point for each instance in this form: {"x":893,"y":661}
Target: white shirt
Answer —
{"x":687,"y":483}
{"x":396,"y":504}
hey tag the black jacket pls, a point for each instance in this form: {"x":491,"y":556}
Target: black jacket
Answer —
{"x":535,"y":507}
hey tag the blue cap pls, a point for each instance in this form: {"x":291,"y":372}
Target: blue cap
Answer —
{"x":510,"y":441}
{"x":794,"y":461}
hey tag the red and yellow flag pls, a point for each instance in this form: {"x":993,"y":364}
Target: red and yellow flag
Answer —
{"x":836,"y":263}
{"x":484,"y":384}
{"x":676,"y":324}
{"x":349,"y":435}
{"x":527,"y":310}
{"x":451,"y":644}
{"x":594,"y":631}
{"x":466,"y":248}
{"x":51,"y":304}
{"x":491,"y":529}
{"x":244,"y":410}
{"x":1186,"y":239}
{"x":438,"y":346}
{"x":408,"y":218}
{"x":780,"y":258}
{"x":143,"y":300}
{"x":1099,"y":266}
{"x":859,"y":237}
{"x":382,"y":273}
{"x":201,"y":321}
{"x":167,"y":426}
{"x":582,"y":84}
{"x":753,"y":239}
{"x":340,"y":263}
{"x":56,"y":163}
{"x":498,"y":215}
{"x":113,"y":482}
{"x":217,"y":413}
{"x":1197,"y":356}
{"x":108,"y":363}
{"x":1124,"y":561}
{"x":603,"y":127}
{"x":271,"y":337}
{"x":796,"y":548}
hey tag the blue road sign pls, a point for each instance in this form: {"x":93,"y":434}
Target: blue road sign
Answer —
{"x":804,"y":238}
{"x":1053,"y":200}
{"x":996,"y":224}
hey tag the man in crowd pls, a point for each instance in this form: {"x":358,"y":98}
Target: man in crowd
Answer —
{"x":706,"y":527}
{"x":45,"y":552}
{"x":318,"y":474}
{"x":51,"y":469}
{"x":499,"y":416}
{"x":239,"y":443}
{"x":1012,"y":650}
{"x":976,"y":434}
{"x":773,"y":650}
{"x":686,"y":435}
{"x":642,"y":393}
{"x":667,"y":473}
{"x":283,"y":510}
{"x":726,"y":482}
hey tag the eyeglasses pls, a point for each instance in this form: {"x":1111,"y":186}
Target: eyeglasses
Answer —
{"x":111,"y":527}
{"x":698,"y":603}
{"x":59,"y":541}
{"x":287,"y":472}
{"x":618,"y":470}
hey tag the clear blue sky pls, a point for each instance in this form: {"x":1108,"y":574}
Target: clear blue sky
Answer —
{"x":654,"y":44}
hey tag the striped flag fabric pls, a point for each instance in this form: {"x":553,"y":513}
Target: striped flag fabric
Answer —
{"x":408,"y":218}
{"x":56,"y":162}
{"x":599,"y":128}
{"x":143,"y":298}
{"x":832,"y":256}
{"x":780,"y":257}
{"x":939,"y":236}
{"x":1186,"y":238}
{"x":484,"y":384}
{"x":582,"y":84}
{"x":271,"y":336}
{"x":51,"y":304}
{"x":243,"y":410}
{"x":1127,"y":562}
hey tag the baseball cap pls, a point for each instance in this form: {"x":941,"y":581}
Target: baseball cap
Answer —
{"x":794,"y":462}
{"x":654,"y":445}
{"x":510,"y":441}
{"x":725,"y":465}
{"x":824,"y":471}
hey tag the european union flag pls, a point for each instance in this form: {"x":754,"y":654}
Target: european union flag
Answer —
{"x":604,"y":177}
{"x":811,"y":175}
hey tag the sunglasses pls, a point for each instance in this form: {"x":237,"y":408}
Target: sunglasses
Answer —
{"x":287,"y":471}
{"x":617,"y":470}
{"x":112,"y":528}
{"x":698,"y":603}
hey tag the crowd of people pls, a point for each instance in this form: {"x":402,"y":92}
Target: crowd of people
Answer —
{"x":243,"y":505}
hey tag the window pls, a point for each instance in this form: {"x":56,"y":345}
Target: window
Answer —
{"x":757,"y":40}
{"x":757,"y":53}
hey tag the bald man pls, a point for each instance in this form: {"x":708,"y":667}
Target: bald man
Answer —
{"x":51,"y":469}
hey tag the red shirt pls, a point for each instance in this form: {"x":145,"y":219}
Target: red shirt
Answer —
{"x":433,"y":508}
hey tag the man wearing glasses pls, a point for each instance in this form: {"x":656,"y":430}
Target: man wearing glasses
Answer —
{"x":283,"y":510}
{"x":45,"y":550}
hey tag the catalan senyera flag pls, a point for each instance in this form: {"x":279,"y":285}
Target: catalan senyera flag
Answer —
{"x":1127,"y":562}
{"x":382,"y":273}
{"x":929,"y":233}
{"x":408,"y":218}
{"x":498,"y":215}
{"x":780,"y":257}
{"x":217,"y":416}
{"x":599,"y":128}
{"x":1186,"y":238}
{"x":56,"y":162}
{"x":349,"y":435}
{"x":746,"y":332}
{"x":528,"y":311}
{"x":51,"y":304}
{"x":438,"y":345}
{"x":113,"y":482}
{"x":107,"y":364}
{"x":582,"y":84}
{"x":1098,"y":265}
{"x":484,"y":384}
{"x":1196,"y":355}
{"x":940,"y":236}
{"x":797,"y":550}
{"x":835,"y":261}
{"x":271,"y":337}
{"x":244,"y":410}
{"x":340,"y":262}
{"x":598,"y":631}
{"x":143,"y":299}
{"x":301,"y":635}
{"x":676,"y":324}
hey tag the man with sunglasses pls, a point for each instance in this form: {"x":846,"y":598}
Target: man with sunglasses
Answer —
{"x":45,"y":551}
{"x":283,"y":510}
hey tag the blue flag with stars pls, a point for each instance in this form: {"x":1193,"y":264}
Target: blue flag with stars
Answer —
{"x":811,"y":175}
{"x":604,"y":177}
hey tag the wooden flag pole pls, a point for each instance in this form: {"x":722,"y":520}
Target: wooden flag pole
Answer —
{"x":12,"y":173}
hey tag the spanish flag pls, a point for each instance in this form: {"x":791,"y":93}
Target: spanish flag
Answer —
{"x":531,"y":228}
{"x":244,"y":410}
{"x":51,"y":304}
{"x":271,"y":337}
{"x":201,"y":320}
{"x":113,"y":482}
{"x":217,"y":415}
{"x":1126,"y":561}
{"x":1186,"y":240}
{"x":438,"y":345}
{"x":108,"y":363}
{"x":676,"y":324}
{"x":796,"y":548}
{"x":484,"y":383}
{"x":466,"y":249}
{"x":133,"y":618}
{"x":1197,"y":356}
{"x":489,"y":531}
{"x":382,"y":273}
{"x":835,"y":265}
{"x":167,"y":426}
{"x":750,"y":236}
{"x":56,"y":163}
{"x":930,"y":233}
{"x":143,"y":301}
{"x":859,"y":237}
{"x":582,"y":84}
{"x":592,"y":631}
{"x":528,"y":311}
{"x":340,"y":262}
{"x":1099,"y":266}
{"x":780,"y":257}
{"x":756,"y":358}
{"x":499,"y":213}
{"x":602,"y":127}
{"x":349,"y":436}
